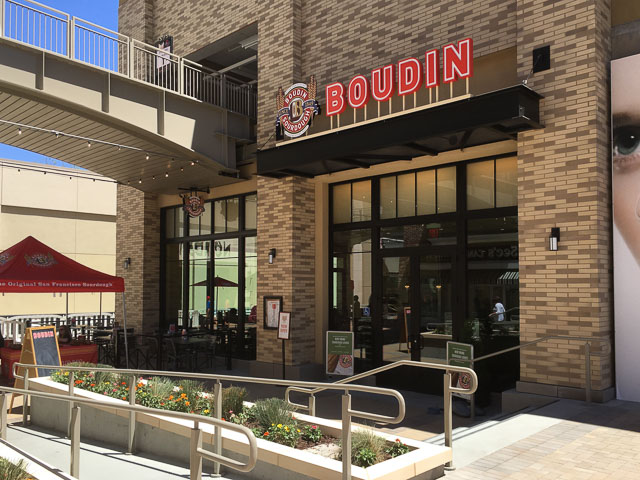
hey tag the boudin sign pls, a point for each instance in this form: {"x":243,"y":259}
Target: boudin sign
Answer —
{"x":296,"y":108}
{"x":457,"y":63}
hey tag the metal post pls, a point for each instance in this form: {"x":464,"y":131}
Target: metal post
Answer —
{"x":312,"y":405}
{"x":126,"y":342}
{"x":25,"y":404}
{"x":71,"y":37}
{"x":587,"y":372}
{"x":447,"y":418}
{"x":217,"y":435}
{"x":195,"y":459}
{"x":346,"y":436}
{"x":132,"y":415}
{"x":3,"y":416}
{"x":130,"y":51}
{"x":2,"y":18}
{"x":75,"y":442}
{"x":180,"y":76}
{"x":71,"y":404}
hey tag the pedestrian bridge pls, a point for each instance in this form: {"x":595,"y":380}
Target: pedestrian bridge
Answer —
{"x":92,"y":97}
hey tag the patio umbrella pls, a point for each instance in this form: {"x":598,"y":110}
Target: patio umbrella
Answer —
{"x":217,"y":282}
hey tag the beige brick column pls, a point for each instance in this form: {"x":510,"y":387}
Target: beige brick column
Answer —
{"x":138,"y":238}
{"x":563,"y":181}
{"x":286,"y":223}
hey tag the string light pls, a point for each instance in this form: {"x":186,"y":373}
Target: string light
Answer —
{"x":90,"y":143}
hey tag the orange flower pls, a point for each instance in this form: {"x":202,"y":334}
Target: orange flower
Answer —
{"x":265,"y":434}
{"x":170,"y":397}
{"x":92,"y":385}
{"x":124,"y":398}
{"x":187,"y":403}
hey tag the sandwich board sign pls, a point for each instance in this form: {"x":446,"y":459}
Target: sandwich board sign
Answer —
{"x":39,"y":347}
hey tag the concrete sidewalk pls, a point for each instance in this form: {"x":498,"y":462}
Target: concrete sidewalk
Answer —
{"x":567,"y":440}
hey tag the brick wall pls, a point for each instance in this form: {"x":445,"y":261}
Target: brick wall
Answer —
{"x":563,"y":181}
{"x":138,"y":238}
{"x":286,"y":223}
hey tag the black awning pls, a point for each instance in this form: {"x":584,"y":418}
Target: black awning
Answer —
{"x":478,"y":120}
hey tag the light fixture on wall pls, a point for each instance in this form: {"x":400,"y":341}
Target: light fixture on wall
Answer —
{"x":553,"y":239}
{"x":127,"y":263}
{"x":272,"y":255}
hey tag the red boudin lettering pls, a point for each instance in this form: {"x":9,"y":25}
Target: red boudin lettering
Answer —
{"x":409,"y":76}
{"x":458,"y":60}
{"x":431,"y":73}
{"x":358,"y":91}
{"x":382,"y":83}
{"x":335,"y":99}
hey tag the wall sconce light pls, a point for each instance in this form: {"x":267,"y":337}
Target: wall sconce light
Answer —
{"x":127,"y":263}
{"x":553,"y":239}
{"x":272,"y":255}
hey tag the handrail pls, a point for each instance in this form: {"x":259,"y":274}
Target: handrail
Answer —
{"x":196,"y":452}
{"x":347,"y":411}
{"x":587,"y":358}
{"x":116,"y":54}
{"x":448,"y":390}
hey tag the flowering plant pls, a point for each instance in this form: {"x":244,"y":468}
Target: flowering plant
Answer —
{"x":311,"y":433}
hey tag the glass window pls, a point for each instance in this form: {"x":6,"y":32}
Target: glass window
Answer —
{"x":170,"y":223}
{"x":173,"y":284}
{"x":180,"y":227}
{"x":480,"y":185}
{"x":493,"y":278}
{"x":233,"y":214}
{"x":407,"y":195}
{"x":446,"y":189}
{"x":205,"y":219}
{"x":435,"y":233}
{"x":342,"y":203}
{"x":199,"y":280}
{"x":351,"y":309}
{"x":361,"y":201}
{"x":388,"y":197}
{"x":194,"y":225}
{"x":251,"y":279}
{"x":225,"y":281}
{"x":219,"y":214}
{"x":506,"y":182}
{"x":251,"y":212}
{"x":426,"y":181}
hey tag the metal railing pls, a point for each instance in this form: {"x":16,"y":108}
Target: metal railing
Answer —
{"x":31,"y":23}
{"x":587,"y":358}
{"x":347,"y":411}
{"x":197,"y":453}
{"x":13,"y":327}
{"x":448,"y":390}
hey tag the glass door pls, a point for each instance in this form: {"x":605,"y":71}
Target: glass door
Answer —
{"x":435,"y":307}
{"x":397,"y":292}
{"x":417,"y":307}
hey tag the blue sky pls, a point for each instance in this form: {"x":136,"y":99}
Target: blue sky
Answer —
{"x":100,"y":12}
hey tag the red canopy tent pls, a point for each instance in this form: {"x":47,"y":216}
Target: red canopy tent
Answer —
{"x":30,"y":266}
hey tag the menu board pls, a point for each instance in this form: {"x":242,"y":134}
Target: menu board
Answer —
{"x":340,"y":353}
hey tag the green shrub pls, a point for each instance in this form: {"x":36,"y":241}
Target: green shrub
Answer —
{"x":272,"y":411}
{"x":285,"y":434}
{"x":398,"y":448}
{"x":192,"y":388}
{"x":233,"y":400}
{"x":366,"y":447}
{"x":13,"y":471}
{"x":161,"y":386}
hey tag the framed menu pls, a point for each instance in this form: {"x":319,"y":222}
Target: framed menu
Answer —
{"x":284,"y":325}
{"x":272,"y":309}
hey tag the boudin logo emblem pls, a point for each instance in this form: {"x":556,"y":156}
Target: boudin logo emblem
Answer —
{"x":193,"y":205}
{"x":296,"y":108}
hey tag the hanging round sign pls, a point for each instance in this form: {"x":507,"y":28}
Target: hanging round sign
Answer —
{"x":296,"y":108}
{"x":193,"y":205}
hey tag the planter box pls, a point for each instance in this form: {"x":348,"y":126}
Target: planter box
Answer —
{"x":169,"y":438}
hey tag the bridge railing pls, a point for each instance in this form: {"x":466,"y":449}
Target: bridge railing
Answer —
{"x":37,"y":25}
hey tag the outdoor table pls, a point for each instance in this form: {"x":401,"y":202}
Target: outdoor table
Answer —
{"x":188,"y":344}
{"x":68,"y":353}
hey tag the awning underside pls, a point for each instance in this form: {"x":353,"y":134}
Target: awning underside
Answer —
{"x":481,"y":119}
